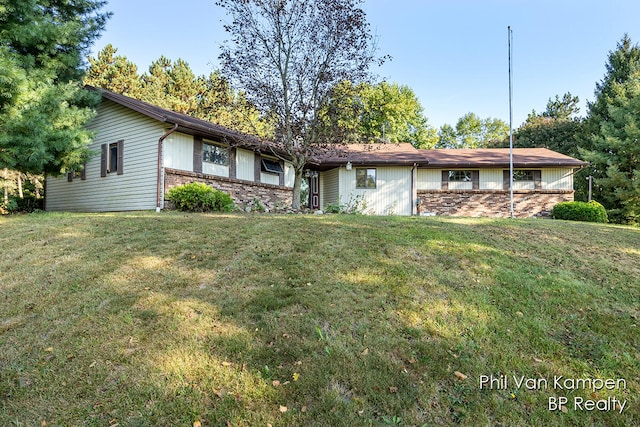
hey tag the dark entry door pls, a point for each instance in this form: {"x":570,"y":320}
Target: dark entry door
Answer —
{"x":314,"y":192}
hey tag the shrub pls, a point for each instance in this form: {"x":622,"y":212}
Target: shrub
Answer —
{"x":580,"y":211}
{"x":199,"y":197}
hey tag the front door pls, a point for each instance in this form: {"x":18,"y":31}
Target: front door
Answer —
{"x":314,"y":192}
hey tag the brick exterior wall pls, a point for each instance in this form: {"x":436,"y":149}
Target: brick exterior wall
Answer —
{"x":490,"y":203}
{"x":243,"y":193}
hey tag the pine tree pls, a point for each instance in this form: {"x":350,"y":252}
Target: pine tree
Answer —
{"x":42,"y":107}
{"x":114,"y":72}
{"x":610,"y":142}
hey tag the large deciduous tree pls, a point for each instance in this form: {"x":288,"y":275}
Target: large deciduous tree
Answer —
{"x":473,"y":132}
{"x":385,"y":111}
{"x":42,"y":107}
{"x":288,"y":55}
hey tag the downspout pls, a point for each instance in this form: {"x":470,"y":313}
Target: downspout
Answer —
{"x":414,"y":194}
{"x":161,"y":167}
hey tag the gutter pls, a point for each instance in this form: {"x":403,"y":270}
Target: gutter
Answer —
{"x":161,"y":168}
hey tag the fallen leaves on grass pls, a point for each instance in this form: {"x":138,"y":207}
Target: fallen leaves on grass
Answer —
{"x":283,"y":409}
{"x":460,"y":375}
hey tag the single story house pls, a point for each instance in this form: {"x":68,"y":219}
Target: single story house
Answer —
{"x":400,"y":179}
{"x":144,"y":150}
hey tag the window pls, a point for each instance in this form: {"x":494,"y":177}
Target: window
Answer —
{"x":365,"y":178}
{"x":271,"y":166}
{"x":215,"y":154}
{"x":522,"y":175}
{"x":112,"y":158}
{"x":112,"y":164}
{"x":523,"y":179}
{"x":460,"y":176}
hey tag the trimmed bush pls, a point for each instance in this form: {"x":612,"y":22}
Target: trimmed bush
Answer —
{"x":199,"y":197}
{"x":580,"y":211}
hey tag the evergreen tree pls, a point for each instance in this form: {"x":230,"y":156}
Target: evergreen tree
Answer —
{"x":610,"y":141}
{"x":114,"y":72}
{"x":42,"y":107}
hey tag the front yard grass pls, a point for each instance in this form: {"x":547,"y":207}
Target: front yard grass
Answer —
{"x":144,"y":319}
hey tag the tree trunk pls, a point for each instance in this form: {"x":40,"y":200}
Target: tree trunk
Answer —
{"x":36,"y":184}
{"x":20,"y":193}
{"x":297,"y":183}
{"x":5,"y":176}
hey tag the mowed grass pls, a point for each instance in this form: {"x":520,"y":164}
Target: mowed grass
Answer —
{"x":144,"y":319}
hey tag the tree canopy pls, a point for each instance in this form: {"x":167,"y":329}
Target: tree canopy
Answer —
{"x":288,"y":56}
{"x":42,"y":107}
{"x":473,"y":132}
{"x":385,"y":111}
{"x":611,"y":143}
{"x":174,"y":86}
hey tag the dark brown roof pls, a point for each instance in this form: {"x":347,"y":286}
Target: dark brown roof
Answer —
{"x":187,"y":124}
{"x":373,"y":155}
{"x":499,"y":157}
{"x":405,"y":154}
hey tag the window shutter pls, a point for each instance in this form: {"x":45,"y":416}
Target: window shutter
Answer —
{"x":475,"y":179}
{"x":537,"y":179}
{"x":281,"y":174}
{"x":197,"y":154}
{"x":70,"y":176}
{"x":103,"y":160}
{"x":120,"y":157}
{"x":505,"y":179}
{"x":445,"y":180}
{"x":83,"y":174}
{"x":257,"y":166}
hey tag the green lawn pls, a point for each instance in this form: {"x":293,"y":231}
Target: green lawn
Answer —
{"x":147,"y":319}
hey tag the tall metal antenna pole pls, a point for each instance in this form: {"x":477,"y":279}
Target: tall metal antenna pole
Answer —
{"x":510,"y":34}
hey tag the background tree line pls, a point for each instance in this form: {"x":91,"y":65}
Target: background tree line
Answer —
{"x":324,"y":95}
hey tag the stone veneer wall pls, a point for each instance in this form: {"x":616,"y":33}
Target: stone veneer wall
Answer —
{"x":244,"y":193}
{"x":490,"y":203}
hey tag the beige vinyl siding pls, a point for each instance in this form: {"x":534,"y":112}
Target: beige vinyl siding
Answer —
{"x":178,"y":152}
{"x":329,"y":187}
{"x":557,"y":179}
{"x":392,"y":195}
{"x":491,"y":179}
{"x":136,"y":188}
{"x":269,"y":178}
{"x":289,"y":174}
{"x":430,"y":179}
{"x":244,"y":164}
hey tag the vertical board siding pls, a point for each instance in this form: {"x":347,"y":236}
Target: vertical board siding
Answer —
{"x":178,"y":152}
{"x":289,"y":174}
{"x":136,"y":188}
{"x":270,"y":178}
{"x":429,"y":179}
{"x":492,"y":179}
{"x":329,"y":187}
{"x":392,"y":195}
{"x":244,"y":164}
{"x":557,"y":179}
{"x":215,"y":169}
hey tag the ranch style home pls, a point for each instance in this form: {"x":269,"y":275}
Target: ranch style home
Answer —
{"x":144,"y":150}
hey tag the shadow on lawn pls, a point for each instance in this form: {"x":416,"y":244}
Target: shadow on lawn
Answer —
{"x":234,"y":322}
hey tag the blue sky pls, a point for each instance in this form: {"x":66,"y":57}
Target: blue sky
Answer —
{"x":452,"y":53}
